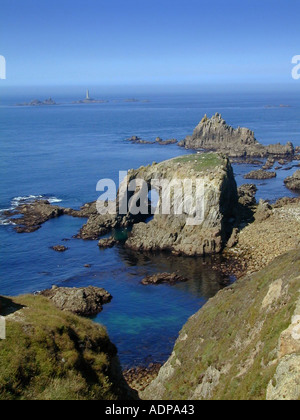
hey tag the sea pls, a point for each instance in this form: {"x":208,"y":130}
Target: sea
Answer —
{"x":60,"y":152}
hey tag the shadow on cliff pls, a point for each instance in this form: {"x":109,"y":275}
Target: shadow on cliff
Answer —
{"x":7,"y":306}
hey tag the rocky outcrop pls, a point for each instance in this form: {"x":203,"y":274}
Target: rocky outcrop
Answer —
{"x":59,"y":248}
{"x":33,"y":215}
{"x":84,"y":301}
{"x":173,"y":232}
{"x":216,"y":135}
{"x":138,"y":140}
{"x":244,"y":344}
{"x":260,"y":174}
{"x":158,"y":140}
{"x":246,"y":194}
{"x":293,"y":182}
{"x":107,"y":242}
{"x":37,"y":102}
{"x":49,"y":354}
{"x":162,"y":142}
{"x":169,"y":278}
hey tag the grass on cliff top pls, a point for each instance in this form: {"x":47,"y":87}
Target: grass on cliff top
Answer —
{"x":54,"y":355}
{"x":201,"y":162}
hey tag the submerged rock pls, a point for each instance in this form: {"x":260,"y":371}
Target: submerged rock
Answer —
{"x":160,"y":278}
{"x":293,"y":182}
{"x":215,"y":134}
{"x":84,"y":301}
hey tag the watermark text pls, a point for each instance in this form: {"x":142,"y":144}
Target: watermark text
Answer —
{"x":296,"y":68}
{"x":2,"y":67}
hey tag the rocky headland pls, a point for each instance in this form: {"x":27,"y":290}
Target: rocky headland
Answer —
{"x":51,"y":354}
{"x":215,"y":134}
{"x":244,"y":344}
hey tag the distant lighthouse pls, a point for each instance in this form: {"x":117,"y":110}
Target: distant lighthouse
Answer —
{"x":87,"y":95}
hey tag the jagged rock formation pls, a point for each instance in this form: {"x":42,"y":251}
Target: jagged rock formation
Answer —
{"x":244,"y":344}
{"x":246,"y":194}
{"x":293,"y":182}
{"x":84,"y":301}
{"x":49,"y":354}
{"x":215,"y":134}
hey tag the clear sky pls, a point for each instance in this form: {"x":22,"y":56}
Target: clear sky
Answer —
{"x":145,"y":42}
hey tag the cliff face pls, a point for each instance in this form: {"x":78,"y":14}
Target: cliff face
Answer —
{"x":243,"y":344}
{"x":55,"y":355}
{"x":216,"y":135}
{"x":219,"y":202}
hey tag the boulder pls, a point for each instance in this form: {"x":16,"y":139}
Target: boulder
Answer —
{"x":107,"y":242}
{"x":84,"y":301}
{"x":293,"y":182}
{"x":59,"y":248}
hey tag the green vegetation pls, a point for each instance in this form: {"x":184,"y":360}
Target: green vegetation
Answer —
{"x":201,"y":162}
{"x":55,"y":355}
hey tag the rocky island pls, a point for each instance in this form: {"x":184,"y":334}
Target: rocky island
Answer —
{"x":216,"y":135}
{"x":37,"y":102}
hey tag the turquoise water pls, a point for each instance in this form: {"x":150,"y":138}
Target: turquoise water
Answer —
{"x":61,"y":152}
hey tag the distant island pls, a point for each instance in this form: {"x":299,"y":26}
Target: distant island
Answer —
{"x":86,"y":100}
{"x":36,"y":102}
{"x":278,"y":106}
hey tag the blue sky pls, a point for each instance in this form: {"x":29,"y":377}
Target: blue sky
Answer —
{"x":126,"y":42}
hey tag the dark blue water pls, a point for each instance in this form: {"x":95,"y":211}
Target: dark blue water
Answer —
{"x":61,"y":152}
